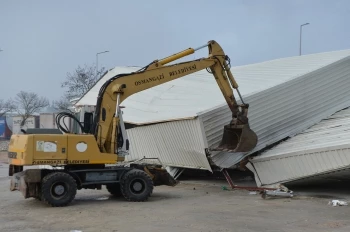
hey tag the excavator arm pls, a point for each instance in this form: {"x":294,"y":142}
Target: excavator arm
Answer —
{"x":237,"y":137}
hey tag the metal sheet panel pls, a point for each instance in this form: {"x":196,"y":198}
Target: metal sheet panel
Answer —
{"x":287,"y":109}
{"x":176,"y":144}
{"x":47,"y":120}
{"x":191,"y":95}
{"x":321,"y":149}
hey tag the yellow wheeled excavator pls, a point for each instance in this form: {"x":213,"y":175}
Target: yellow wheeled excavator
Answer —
{"x":95,"y":157}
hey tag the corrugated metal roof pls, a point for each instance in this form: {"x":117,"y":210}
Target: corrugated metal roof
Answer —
{"x":333,"y":131}
{"x":191,"y":95}
{"x":321,"y":149}
{"x":176,"y":144}
{"x":289,"y":108}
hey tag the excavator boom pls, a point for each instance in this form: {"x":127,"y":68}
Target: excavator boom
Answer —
{"x":237,"y":136}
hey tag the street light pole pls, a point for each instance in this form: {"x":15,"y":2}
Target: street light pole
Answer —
{"x":97,"y":60}
{"x":300,"y":36}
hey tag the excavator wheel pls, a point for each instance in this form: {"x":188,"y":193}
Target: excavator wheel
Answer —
{"x":114,"y":189}
{"x":136,"y":185}
{"x":58,"y":189}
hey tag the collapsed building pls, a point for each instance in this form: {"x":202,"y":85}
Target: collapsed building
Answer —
{"x":178,"y":121}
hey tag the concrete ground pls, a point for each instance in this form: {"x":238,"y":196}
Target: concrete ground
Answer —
{"x":193,"y":205}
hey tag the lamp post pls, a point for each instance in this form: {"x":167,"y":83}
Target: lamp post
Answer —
{"x":97,"y":60}
{"x":300,"y":36}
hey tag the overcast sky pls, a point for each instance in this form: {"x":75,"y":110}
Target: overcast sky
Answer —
{"x":43,"y":40}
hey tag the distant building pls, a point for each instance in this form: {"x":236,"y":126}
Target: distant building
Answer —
{"x":48,"y":118}
{"x":31,"y":122}
{"x":5,"y":132}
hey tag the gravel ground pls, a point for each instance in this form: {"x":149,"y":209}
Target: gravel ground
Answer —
{"x":193,"y":205}
{"x":3,"y":157}
{"x":4,"y":145}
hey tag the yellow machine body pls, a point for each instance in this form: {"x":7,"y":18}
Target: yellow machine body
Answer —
{"x":57,"y":150}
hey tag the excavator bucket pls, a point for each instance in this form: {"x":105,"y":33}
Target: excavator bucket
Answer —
{"x":159,"y":175}
{"x":237,"y":139}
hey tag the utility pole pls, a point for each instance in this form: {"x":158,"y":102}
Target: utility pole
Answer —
{"x":97,"y":60}
{"x":300,"y":36}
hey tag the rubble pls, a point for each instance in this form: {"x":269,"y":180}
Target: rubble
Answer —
{"x":337,"y":202}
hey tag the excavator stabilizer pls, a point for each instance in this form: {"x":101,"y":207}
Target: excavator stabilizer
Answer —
{"x":237,"y":139}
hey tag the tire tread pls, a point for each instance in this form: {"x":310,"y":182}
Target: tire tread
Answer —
{"x":45,"y":188}
{"x":114,"y":189}
{"x":134,"y":173}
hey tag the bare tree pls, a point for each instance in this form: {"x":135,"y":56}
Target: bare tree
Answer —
{"x":6,"y":106}
{"x":62,"y":104}
{"x":29,"y":103}
{"x":81,"y":80}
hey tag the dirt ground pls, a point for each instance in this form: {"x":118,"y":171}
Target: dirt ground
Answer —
{"x":193,"y":205}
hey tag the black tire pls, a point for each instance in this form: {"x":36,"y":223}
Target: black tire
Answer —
{"x":114,"y":189}
{"x":136,"y":185}
{"x":58,"y":189}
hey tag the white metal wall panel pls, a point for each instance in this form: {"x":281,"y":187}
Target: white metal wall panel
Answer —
{"x":47,"y":120}
{"x":299,"y":166}
{"x":286,"y":109}
{"x":323,"y":148}
{"x":176,"y":144}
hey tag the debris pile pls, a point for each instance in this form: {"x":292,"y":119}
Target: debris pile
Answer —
{"x":337,"y":203}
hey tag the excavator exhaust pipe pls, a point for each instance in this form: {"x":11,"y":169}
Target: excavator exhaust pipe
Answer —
{"x":238,"y":138}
